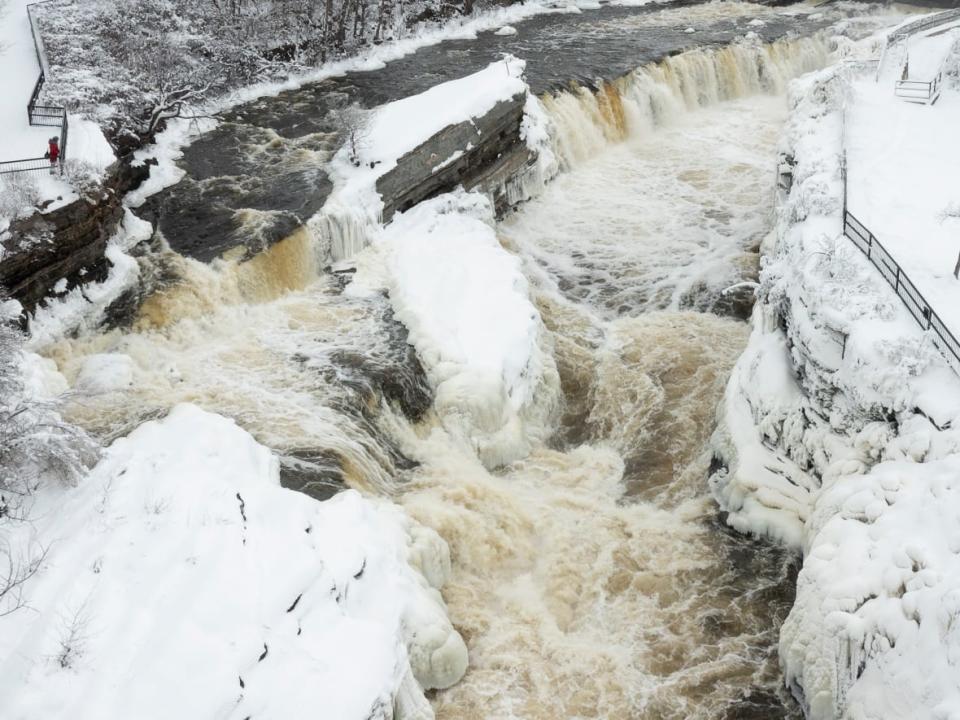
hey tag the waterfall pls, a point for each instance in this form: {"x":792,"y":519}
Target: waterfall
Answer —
{"x":586,"y":120}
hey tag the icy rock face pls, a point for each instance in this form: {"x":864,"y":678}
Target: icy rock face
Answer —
{"x":835,"y":437}
{"x":185,"y":582}
{"x":466,"y":304}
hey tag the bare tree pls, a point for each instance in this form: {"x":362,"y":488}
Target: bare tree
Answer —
{"x":174,"y":89}
{"x":354,"y":122}
{"x":16,"y":569}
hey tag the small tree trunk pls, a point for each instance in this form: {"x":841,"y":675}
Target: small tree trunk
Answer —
{"x":956,"y":270}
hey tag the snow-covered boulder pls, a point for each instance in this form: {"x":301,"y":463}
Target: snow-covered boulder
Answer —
{"x":180,"y":580}
{"x":466,"y":303}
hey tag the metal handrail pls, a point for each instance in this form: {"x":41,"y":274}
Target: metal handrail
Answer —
{"x":903,"y":286}
{"x":15,"y":166}
{"x":922,"y":24}
{"x":40,"y":115}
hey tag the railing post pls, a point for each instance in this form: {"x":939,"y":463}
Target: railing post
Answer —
{"x":897,"y":286}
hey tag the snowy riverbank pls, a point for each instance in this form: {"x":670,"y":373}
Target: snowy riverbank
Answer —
{"x":179,"y":579}
{"x":840,"y":434}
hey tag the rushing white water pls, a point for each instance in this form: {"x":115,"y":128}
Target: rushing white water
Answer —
{"x":594,"y":580}
{"x":681,"y":206}
{"x":590,"y":579}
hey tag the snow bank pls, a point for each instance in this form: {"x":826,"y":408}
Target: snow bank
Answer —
{"x":875,"y":628}
{"x":835,"y":438}
{"x":87,"y":144}
{"x":182,"y":581}
{"x":466,"y":304}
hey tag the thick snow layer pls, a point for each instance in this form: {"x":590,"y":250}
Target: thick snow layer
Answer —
{"x":466,"y":304}
{"x":180,"y":580}
{"x":87,"y":144}
{"x":835,"y":429}
{"x":876,"y":626}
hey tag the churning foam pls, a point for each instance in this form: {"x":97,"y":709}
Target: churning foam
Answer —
{"x":577,"y":603}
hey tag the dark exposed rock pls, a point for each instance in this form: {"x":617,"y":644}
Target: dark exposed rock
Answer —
{"x":492,"y":152}
{"x":69,"y":242}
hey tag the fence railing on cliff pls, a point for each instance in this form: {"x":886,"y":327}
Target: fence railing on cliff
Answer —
{"x":922,"y":24}
{"x":903,"y":286}
{"x":40,"y":115}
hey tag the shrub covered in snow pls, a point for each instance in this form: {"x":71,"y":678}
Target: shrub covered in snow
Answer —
{"x":19,"y":195}
{"x":35,"y":444}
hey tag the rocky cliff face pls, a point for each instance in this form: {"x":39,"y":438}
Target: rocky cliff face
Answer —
{"x":482,"y":154}
{"x":67,"y":243}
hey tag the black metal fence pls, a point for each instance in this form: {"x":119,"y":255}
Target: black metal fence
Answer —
{"x":40,"y":115}
{"x":906,"y":290}
{"x":17,"y":166}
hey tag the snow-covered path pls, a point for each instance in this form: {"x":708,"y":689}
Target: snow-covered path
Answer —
{"x":19,"y":70}
{"x":904,"y":174}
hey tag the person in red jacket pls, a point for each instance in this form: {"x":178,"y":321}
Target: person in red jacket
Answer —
{"x":53,"y":154}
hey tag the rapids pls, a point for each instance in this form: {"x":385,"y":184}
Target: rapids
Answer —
{"x":594,"y":578}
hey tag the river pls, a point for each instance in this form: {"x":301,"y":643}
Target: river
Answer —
{"x":594,"y":578}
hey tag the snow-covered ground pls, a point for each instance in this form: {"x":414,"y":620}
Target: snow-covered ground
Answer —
{"x":19,"y":71}
{"x":903,"y":163}
{"x":840,"y":429}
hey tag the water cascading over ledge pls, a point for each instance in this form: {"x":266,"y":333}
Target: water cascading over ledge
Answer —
{"x":582,"y":120}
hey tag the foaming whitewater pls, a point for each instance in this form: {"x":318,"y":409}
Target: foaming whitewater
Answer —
{"x":578,"y":602}
{"x":594,"y":578}
{"x":274,"y":344}
{"x":682,"y":208}
{"x":656,"y":95}
{"x":679,"y":152}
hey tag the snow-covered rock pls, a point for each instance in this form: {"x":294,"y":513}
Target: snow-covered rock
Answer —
{"x":465,"y":301}
{"x":180,"y":580}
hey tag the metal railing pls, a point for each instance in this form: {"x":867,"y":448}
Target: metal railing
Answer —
{"x":17,"y":166}
{"x":922,"y":24}
{"x":920,"y":91}
{"x":903,"y":286}
{"x":40,"y":115}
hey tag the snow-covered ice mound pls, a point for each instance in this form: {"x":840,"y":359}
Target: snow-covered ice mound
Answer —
{"x":466,"y":303}
{"x":182,"y":581}
{"x":876,"y":625}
